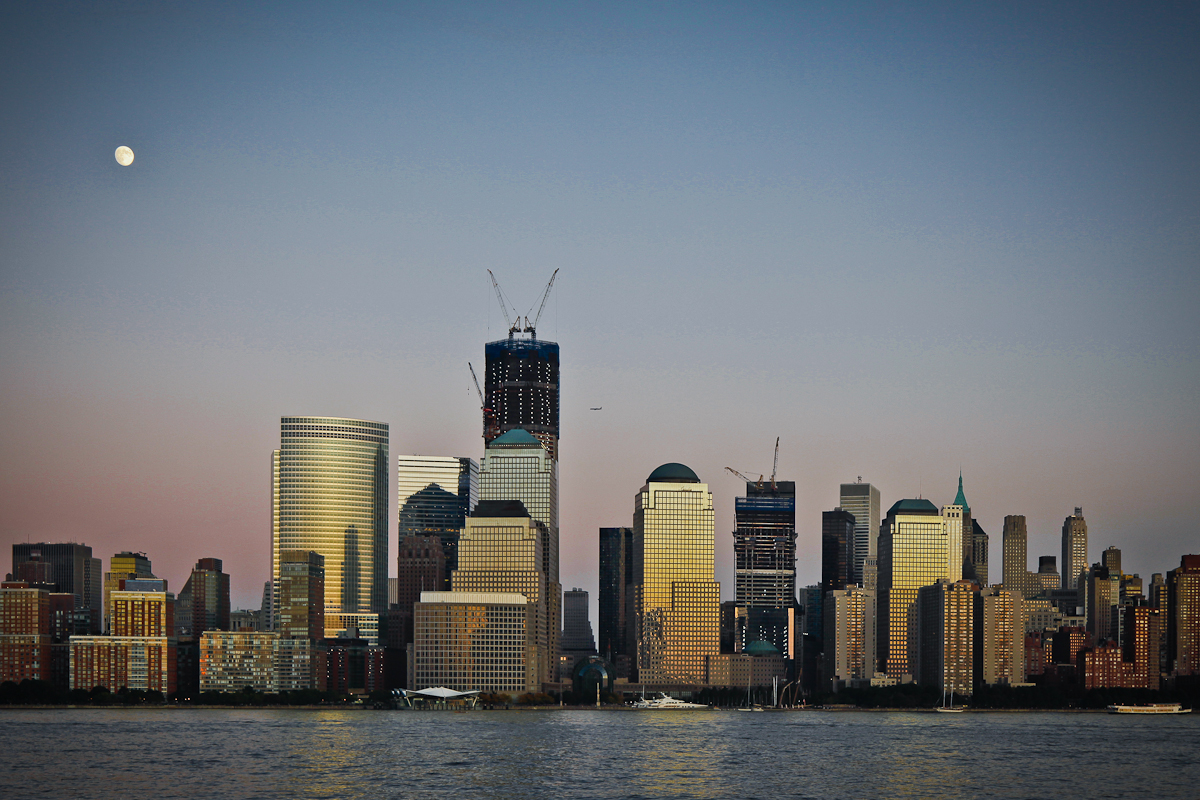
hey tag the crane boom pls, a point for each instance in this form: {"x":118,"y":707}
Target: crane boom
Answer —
{"x":478,"y":391}
{"x":530,"y":326}
{"x":512,"y":327}
{"x":743,"y":477}
{"x":775,"y":466}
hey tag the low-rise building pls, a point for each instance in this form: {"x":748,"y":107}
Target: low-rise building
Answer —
{"x":123,"y":662}
{"x":475,"y":640}
{"x":231,"y":661}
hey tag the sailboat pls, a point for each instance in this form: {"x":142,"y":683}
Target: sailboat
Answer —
{"x":948,"y":709}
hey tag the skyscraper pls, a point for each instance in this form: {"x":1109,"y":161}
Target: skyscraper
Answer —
{"x":1183,"y":617}
{"x":123,"y":566}
{"x":849,"y":635}
{"x":300,"y":612}
{"x":999,"y":637}
{"x":1074,"y":549}
{"x":517,"y":467}
{"x":521,"y":390}
{"x":435,"y":496}
{"x":979,"y":551}
{"x":501,"y":552}
{"x":420,"y":567}
{"x":576,"y":641}
{"x":203,"y":605}
{"x":616,"y":595}
{"x":918,"y":546}
{"x":837,"y":549}
{"x":74,"y":569}
{"x":862,"y":500}
{"x":676,"y":597}
{"x":765,"y":545}
{"x":945,"y":635}
{"x":1111,"y":558}
{"x":1015,"y":561}
{"x":329,"y":495}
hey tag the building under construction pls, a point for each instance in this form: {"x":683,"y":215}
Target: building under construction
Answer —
{"x":521,"y":380}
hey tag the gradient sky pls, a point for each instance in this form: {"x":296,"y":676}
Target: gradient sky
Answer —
{"x":906,"y":240}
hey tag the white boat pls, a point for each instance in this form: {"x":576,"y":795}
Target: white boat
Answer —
{"x":1149,"y":708}
{"x":948,"y":709}
{"x":664,"y":703}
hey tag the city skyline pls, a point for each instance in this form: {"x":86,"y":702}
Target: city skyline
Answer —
{"x":890,"y":240}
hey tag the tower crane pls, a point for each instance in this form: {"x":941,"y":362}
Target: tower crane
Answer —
{"x":514,"y":321}
{"x":531,"y":326}
{"x":758,"y":482}
{"x":513,"y":327}
{"x":489,"y":417}
{"x":775,"y":466}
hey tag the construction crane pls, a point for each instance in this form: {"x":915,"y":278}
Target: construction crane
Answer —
{"x":531,"y":326}
{"x":514,"y":321}
{"x":513,"y":327}
{"x":489,"y":417}
{"x":758,"y":482}
{"x":775,"y":466}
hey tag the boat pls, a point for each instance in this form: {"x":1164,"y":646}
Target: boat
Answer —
{"x":755,"y":707}
{"x":948,"y":709}
{"x":1149,"y":708}
{"x":665,"y":703}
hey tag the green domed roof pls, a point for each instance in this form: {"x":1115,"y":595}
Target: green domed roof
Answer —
{"x":761,"y":648}
{"x":673,"y":473}
{"x":911,"y":506}
{"x":517,"y":437}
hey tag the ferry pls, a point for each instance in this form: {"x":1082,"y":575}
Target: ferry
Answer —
{"x":1149,"y":708}
{"x":664,"y":703}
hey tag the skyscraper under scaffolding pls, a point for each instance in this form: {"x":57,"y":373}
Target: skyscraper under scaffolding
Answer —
{"x":765,"y":547}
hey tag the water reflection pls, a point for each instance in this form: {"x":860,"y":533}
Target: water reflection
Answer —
{"x":97,"y":753}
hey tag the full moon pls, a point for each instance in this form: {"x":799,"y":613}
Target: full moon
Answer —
{"x":124,"y":156}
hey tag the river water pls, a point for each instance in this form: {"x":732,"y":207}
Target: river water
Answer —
{"x":201,"y":753}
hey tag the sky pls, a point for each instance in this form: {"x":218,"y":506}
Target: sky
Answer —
{"x":905,"y":239}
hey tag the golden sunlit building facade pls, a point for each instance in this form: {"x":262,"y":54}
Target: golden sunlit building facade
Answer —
{"x":329,"y":495}
{"x":500,"y":551}
{"x":918,"y":546}
{"x":469,"y":641}
{"x":676,"y":597}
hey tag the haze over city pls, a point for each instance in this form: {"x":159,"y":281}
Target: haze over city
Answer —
{"x":907,"y":242}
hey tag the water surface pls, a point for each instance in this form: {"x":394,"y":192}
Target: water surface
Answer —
{"x":184,"y":753}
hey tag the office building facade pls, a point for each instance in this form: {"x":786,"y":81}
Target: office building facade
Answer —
{"x":476,"y":641}
{"x":501,"y":551}
{"x":330,"y":496}
{"x":616,"y":596}
{"x":1015,"y":545}
{"x":435,"y":495}
{"x":676,"y":597}
{"x":203,"y":603}
{"x":945,"y":636}
{"x":516,"y":466}
{"x":849,"y":636}
{"x":918,"y":546}
{"x":862,"y":500}
{"x":1183,"y":617}
{"x":999,"y":637}
{"x":73,"y":569}
{"x":300,"y":610}
{"x":837,"y":549}
{"x":1074,"y":549}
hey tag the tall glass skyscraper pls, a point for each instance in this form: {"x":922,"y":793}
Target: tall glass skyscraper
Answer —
{"x":435,"y":496}
{"x":918,"y":546}
{"x":676,"y":597}
{"x":862,"y":500}
{"x":521,"y":390}
{"x":330,"y":496}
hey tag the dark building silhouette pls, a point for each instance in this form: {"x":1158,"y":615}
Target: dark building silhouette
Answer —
{"x":616,"y":596}
{"x":300,"y":611}
{"x":203,"y":605}
{"x":433,"y":511}
{"x":521,"y":390}
{"x":420,"y":567}
{"x":837,"y":541}
{"x":73,"y":569}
